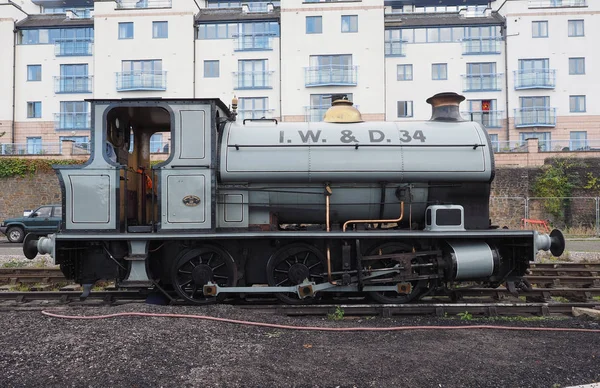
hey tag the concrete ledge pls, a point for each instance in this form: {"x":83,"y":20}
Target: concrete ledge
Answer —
{"x":578,"y":311}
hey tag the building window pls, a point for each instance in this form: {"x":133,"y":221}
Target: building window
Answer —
{"x":160,"y":30}
{"x":231,"y":30}
{"x":405,"y":109}
{"x":73,"y":115}
{"x":74,"y":79}
{"x":578,"y":141}
{"x":484,"y":112}
{"x":576,"y":103}
{"x":34,"y":72}
{"x":482,"y":76}
{"x":126,"y":30}
{"x":575,"y":27}
{"x":211,"y":69}
{"x":539,"y":29}
{"x":314,"y":24}
{"x":34,"y":109}
{"x":576,"y":65}
{"x":252,"y":74}
{"x":349,"y":23}
{"x":55,"y":35}
{"x":405,"y":73}
{"x":495,"y":142}
{"x":439,"y":71}
{"x":253,"y":107}
{"x":34,"y":145}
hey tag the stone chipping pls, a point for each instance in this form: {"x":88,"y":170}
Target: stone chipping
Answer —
{"x":38,"y":351}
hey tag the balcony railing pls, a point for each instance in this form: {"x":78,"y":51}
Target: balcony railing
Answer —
{"x":535,"y":117}
{"x":253,"y":42}
{"x":244,"y":114}
{"x":82,"y":148}
{"x":71,"y":120}
{"x":30,"y":149}
{"x":144,"y":4}
{"x":489,"y":119}
{"x":141,"y":80}
{"x":509,"y":146}
{"x":482,"y":82}
{"x":73,"y":84}
{"x":557,"y":3}
{"x":252,"y":80}
{"x":331,"y":75}
{"x":481,"y":46}
{"x":316,"y":113}
{"x":395,"y":48}
{"x":535,"y":79}
{"x":73,"y":47}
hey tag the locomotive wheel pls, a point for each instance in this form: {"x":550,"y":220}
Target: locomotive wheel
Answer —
{"x":291,"y":265}
{"x":195,"y":267}
{"x":418,"y":287}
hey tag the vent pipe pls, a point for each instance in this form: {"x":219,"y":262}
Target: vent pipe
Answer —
{"x":445,"y":106}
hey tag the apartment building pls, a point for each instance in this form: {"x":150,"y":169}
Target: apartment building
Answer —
{"x":526,"y":67}
{"x":553,"y":68}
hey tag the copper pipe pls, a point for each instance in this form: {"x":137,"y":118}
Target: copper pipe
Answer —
{"x":328,"y":193}
{"x":376,"y":221}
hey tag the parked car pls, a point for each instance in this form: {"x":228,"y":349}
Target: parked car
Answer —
{"x":43,"y":220}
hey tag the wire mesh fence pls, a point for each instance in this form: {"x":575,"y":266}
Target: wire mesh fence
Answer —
{"x":575,"y":216}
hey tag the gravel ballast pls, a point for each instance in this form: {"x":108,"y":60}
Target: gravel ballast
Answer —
{"x":39,"y":351}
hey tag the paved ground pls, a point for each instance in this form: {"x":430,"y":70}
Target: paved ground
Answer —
{"x":37,"y":351}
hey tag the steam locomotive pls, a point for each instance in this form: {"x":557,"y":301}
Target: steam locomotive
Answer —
{"x":390,"y":210}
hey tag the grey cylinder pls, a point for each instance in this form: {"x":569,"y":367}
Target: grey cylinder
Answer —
{"x":472,"y":260}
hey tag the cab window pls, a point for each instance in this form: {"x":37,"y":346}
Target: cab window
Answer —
{"x":44,"y":211}
{"x":57,"y":211}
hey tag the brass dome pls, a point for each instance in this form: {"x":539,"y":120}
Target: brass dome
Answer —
{"x":342,"y":111}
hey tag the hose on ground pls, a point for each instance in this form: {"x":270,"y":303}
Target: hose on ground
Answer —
{"x":314,"y":328}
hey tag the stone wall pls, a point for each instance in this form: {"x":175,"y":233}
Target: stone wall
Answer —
{"x":513,"y":185}
{"x":21,"y":193}
{"x":507,"y":207}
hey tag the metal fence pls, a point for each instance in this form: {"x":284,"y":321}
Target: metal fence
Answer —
{"x":575,"y":216}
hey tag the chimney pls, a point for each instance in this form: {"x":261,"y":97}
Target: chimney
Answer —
{"x":445,"y":106}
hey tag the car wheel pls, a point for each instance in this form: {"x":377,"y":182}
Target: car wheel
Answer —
{"x":15,"y":234}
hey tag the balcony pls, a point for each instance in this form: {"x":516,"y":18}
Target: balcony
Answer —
{"x":535,"y":79}
{"x":252,"y":80}
{"x":482,"y":82}
{"x":330,"y":75}
{"x":253,"y":42}
{"x":481,"y":46}
{"x":556,"y":3}
{"x":143,"y":4}
{"x":73,"y":47}
{"x":72,"y":120}
{"x":315,"y":113}
{"x":141,"y":80}
{"x":535,"y":117}
{"x":489,"y":119}
{"x":73,"y":84}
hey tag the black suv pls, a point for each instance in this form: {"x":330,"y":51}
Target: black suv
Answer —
{"x":43,"y":220}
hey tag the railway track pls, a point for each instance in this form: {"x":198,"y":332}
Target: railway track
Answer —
{"x":585,"y":274}
{"x":356,"y":309}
